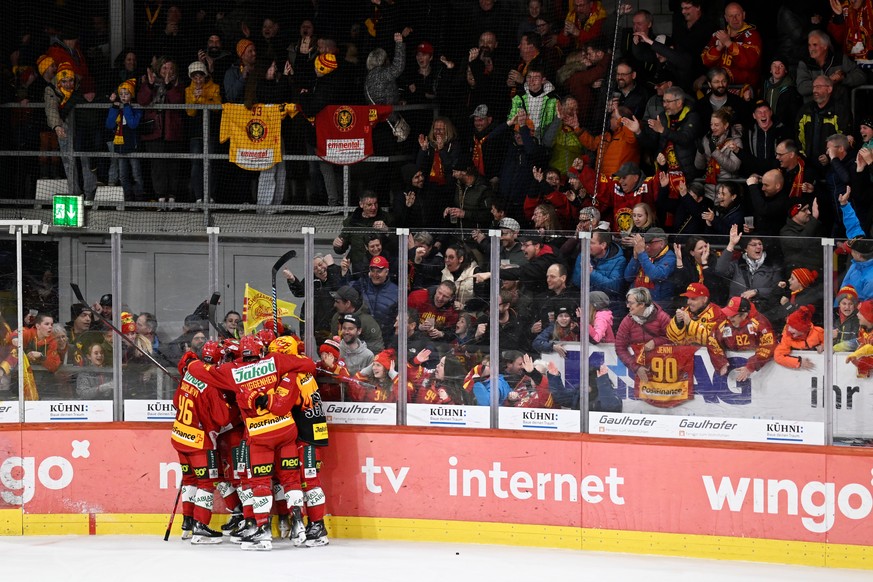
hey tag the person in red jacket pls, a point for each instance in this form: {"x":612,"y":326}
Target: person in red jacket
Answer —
{"x":436,"y":309}
{"x":265,"y":398}
{"x":744,"y":330}
{"x":201,"y":413}
{"x":643,"y":328}
{"x":736,"y":48}
{"x":617,"y":196}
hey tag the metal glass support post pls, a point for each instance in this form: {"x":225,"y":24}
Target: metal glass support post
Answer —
{"x":493,"y":328}
{"x":117,"y":345}
{"x":212,"y":233}
{"x":308,"y":233}
{"x":19,"y":297}
{"x":402,"y":316}
{"x":584,"y":343}
{"x":827,"y":245}
{"x":346,"y":188}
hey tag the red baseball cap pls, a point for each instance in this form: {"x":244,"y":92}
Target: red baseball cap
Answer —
{"x":696,"y":290}
{"x":736,"y":305}
{"x":424,"y":47}
{"x":379,"y":262}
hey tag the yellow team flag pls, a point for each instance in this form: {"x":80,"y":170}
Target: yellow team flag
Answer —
{"x":30,"y":391}
{"x":258,"y":308}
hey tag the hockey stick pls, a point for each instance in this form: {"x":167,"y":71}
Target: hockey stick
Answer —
{"x":173,"y":515}
{"x":276,"y":266}
{"x":78,"y":293}
{"x":213,"y":304}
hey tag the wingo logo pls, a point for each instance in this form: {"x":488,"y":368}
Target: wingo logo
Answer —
{"x":820,"y":502}
{"x":19,"y":475}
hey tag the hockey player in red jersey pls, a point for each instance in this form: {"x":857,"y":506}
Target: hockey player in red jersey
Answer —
{"x":201,"y":413}
{"x":309,"y":415}
{"x":271,"y":432}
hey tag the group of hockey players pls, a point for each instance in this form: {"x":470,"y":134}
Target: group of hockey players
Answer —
{"x":249,"y":424}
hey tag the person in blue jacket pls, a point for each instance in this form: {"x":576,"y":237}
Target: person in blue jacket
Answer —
{"x":123,"y":120}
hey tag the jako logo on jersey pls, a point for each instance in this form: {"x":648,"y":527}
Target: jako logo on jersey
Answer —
{"x":199,"y":384}
{"x":252,"y":371}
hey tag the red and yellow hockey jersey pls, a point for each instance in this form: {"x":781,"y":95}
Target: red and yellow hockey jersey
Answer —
{"x":670,"y":371}
{"x":344,"y":133}
{"x":255,"y":134}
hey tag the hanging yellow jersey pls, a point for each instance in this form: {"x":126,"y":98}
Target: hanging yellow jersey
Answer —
{"x":255,"y":134}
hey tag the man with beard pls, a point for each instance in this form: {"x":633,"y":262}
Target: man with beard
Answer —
{"x":719,"y":97}
{"x":487,"y":75}
{"x":631,"y":94}
{"x":216,"y":59}
{"x":353,"y":350}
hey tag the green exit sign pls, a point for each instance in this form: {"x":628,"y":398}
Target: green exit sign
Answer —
{"x":69,"y":211}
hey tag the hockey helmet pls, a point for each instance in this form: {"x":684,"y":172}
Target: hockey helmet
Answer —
{"x":211,"y":352}
{"x":250,"y":346}
{"x":286,"y":344}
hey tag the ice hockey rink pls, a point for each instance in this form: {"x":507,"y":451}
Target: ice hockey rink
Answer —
{"x":138,"y":558}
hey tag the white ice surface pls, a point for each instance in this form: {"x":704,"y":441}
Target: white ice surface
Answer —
{"x":139,"y":558}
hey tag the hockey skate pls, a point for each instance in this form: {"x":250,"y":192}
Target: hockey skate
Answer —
{"x":202,"y":534}
{"x":232,"y":523}
{"x":316,"y":534}
{"x":298,"y":530}
{"x":187,"y":527}
{"x":261,"y":539}
{"x":244,"y":529}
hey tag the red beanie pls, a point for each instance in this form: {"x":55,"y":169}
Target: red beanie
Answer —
{"x":330,"y":346}
{"x":384,"y":357}
{"x":805,"y":277}
{"x":801,"y":318}
{"x":866,"y":310}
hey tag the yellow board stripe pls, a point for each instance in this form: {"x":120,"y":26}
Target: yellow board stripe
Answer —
{"x":55,"y":524}
{"x":13,"y":522}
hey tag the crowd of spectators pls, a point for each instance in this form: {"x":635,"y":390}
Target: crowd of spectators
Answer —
{"x":683,"y":154}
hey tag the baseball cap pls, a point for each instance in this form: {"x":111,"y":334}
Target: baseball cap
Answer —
{"x":510,"y":224}
{"x":480,"y":111}
{"x":628,"y":169}
{"x":654,"y":234}
{"x":379,"y":262}
{"x":696,"y":290}
{"x":350,"y":318}
{"x":736,"y":305}
{"x":424,"y":47}
{"x":346,"y":293}
{"x":106,"y":299}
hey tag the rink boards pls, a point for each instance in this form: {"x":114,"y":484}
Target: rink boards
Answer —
{"x":774,"y":503}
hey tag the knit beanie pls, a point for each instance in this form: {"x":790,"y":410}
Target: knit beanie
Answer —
{"x":325,"y":63}
{"x":866,"y":310}
{"x":847,"y":291}
{"x":801,"y":318}
{"x":76,"y":310}
{"x":242,"y":45}
{"x":130,"y":85}
{"x":384,"y":357}
{"x":330,"y":346}
{"x":43,"y":63}
{"x":804,"y":276}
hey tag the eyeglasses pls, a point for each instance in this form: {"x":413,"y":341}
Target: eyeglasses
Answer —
{"x":780,"y":154}
{"x":671,"y":100}
{"x":623,"y":74}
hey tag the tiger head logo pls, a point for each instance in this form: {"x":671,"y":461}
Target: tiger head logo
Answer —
{"x":344,"y":118}
{"x":256,"y":130}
